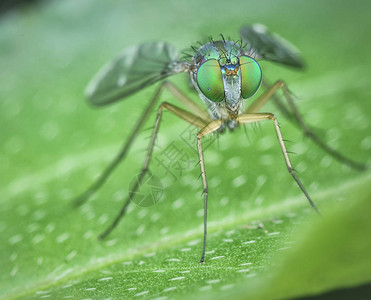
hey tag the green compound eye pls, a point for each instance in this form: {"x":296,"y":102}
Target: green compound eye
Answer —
{"x":251,"y":76}
{"x":210,"y":81}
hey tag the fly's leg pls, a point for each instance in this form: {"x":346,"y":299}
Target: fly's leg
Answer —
{"x":211,"y":127}
{"x":120,"y":156}
{"x":257,"y":117}
{"x":124,"y":150}
{"x":183,"y":114}
{"x":270,"y":94}
{"x":186,"y":101}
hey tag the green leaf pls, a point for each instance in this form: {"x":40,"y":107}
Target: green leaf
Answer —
{"x":264,"y":240}
{"x":328,"y":254}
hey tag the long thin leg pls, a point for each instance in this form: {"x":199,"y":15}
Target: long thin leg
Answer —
{"x":270,"y":94}
{"x":186,"y":101}
{"x":183,"y":114}
{"x":257,"y":117}
{"x":211,"y":127}
{"x":285,"y":110}
{"x":109,"y":169}
{"x":197,"y":110}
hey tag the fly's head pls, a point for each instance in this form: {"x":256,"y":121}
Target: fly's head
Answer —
{"x":224,"y":75}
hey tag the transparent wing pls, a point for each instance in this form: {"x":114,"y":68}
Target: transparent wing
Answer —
{"x":134,"y":69}
{"x":267,"y":45}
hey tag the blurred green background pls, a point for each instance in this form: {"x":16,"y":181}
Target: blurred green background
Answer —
{"x":264,"y":240}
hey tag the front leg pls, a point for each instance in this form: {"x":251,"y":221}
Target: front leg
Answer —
{"x":209,"y":128}
{"x":252,"y":118}
{"x":181,"y":113}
